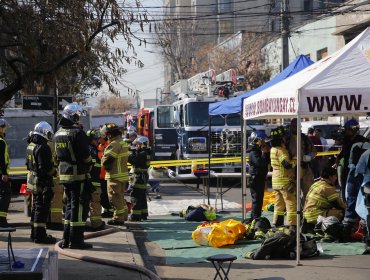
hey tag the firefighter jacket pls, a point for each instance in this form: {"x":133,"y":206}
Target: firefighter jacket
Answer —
{"x":140,"y":160}
{"x":95,"y":171}
{"x":321,"y":197}
{"x":72,"y":152}
{"x":4,"y":157}
{"x":283,"y":172}
{"x":39,"y":163}
{"x":101,"y":149}
{"x":114,"y":160}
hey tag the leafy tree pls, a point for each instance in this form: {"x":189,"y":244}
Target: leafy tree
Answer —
{"x":112,"y":105}
{"x":47,"y":41}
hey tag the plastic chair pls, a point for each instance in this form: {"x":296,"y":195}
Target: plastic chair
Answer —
{"x":218,"y":261}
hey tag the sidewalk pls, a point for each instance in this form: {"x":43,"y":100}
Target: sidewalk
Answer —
{"x":117,"y":247}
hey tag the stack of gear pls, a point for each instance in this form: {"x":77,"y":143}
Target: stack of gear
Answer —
{"x":280,"y":243}
{"x":256,"y":228}
{"x":218,"y":234}
{"x":330,"y":229}
{"x":200,"y":213}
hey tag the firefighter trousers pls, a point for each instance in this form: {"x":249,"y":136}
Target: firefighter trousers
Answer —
{"x":138,"y":197}
{"x":40,"y":211}
{"x":95,"y":208}
{"x":5,"y":196}
{"x":285,"y":203}
{"x":257,"y":188}
{"x":115,"y":194}
{"x":77,"y":196}
{"x":56,"y":208}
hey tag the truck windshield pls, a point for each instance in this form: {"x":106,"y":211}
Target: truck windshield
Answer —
{"x":165,"y":117}
{"x":196,"y":114}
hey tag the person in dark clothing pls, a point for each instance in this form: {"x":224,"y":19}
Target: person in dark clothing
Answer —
{"x":5,"y":189}
{"x":95,"y":204}
{"x":140,"y":160}
{"x":259,"y":160}
{"x":351,"y":136}
{"x":72,"y":152}
{"x":40,"y":181}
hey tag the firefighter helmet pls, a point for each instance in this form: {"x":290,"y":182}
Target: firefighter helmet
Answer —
{"x":4,"y":123}
{"x":72,"y":112}
{"x":141,"y":140}
{"x":93,"y":134}
{"x":256,"y":138}
{"x":44,"y":129}
{"x":109,"y":128}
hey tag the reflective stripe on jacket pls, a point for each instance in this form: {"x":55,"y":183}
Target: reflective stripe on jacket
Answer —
{"x":72,"y":152}
{"x":114,"y":160}
{"x":281,"y":177}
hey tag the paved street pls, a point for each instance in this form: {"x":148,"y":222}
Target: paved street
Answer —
{"x":129,"y":245}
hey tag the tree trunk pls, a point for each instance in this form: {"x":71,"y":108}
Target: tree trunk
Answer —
{"x":9,"y":91}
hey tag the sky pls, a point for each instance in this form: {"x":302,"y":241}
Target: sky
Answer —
{"x":147,"y":79}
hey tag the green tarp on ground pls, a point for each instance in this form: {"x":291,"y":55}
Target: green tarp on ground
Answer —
{"x":173,"y":234}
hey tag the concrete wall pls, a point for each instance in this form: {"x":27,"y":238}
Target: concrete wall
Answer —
{"x":22,"y":121}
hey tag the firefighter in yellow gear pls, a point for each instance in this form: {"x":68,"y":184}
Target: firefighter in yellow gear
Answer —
{"x":5,"y":189}
{"x":282,"y":180}
{"x":114,"y":161}
{"x":322,"y":200}
{"x":95,"y":202}
{"x":56,"y":207}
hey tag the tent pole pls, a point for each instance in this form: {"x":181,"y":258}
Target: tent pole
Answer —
{"x":209,"y":158}
{"x":299,"y":157}
{"x":244,"y":165}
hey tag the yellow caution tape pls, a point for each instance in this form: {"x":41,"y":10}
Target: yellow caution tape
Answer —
{"x":20,"y":170}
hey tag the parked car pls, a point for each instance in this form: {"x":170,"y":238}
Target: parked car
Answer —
{"x":327,"y":129}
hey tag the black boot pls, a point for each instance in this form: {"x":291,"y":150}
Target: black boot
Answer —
{"x":279,"y":221}
{"x":4,"y":223}
{"x":77,"y":239}
{"x":41,"y":237}
{"x":66,"y":234}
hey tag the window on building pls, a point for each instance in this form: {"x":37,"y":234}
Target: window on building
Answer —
{"x":226,"y":27}
{"x":322,"y":53}
{"x":224,"y":6}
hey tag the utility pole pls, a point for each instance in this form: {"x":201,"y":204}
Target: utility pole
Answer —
{"x":284,"y":33}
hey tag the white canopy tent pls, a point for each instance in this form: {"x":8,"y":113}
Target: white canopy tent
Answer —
{"x":336,"y":85}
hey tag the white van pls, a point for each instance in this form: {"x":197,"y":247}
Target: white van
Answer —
{"x":327,"y":129}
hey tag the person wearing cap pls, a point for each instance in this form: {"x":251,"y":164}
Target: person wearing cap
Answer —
{"x":259,"y":160}
{"x":351,"y":136}
{"x":307,"y":154}
{"x":5,"y":188}
{"x":114,"y":161}
{"x":41,"y":169}
{"x":95,"y":203}
{"x":283,"y":181}
{"x":75,"y":163}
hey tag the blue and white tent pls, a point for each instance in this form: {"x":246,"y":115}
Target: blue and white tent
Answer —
{"x":234,"y":105}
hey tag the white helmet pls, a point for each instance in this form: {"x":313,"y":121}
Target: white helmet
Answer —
{"x":141,"y":140}
{"x":44,"y":129}
{"x":72,"y":112}
{"x":4,"y":123}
